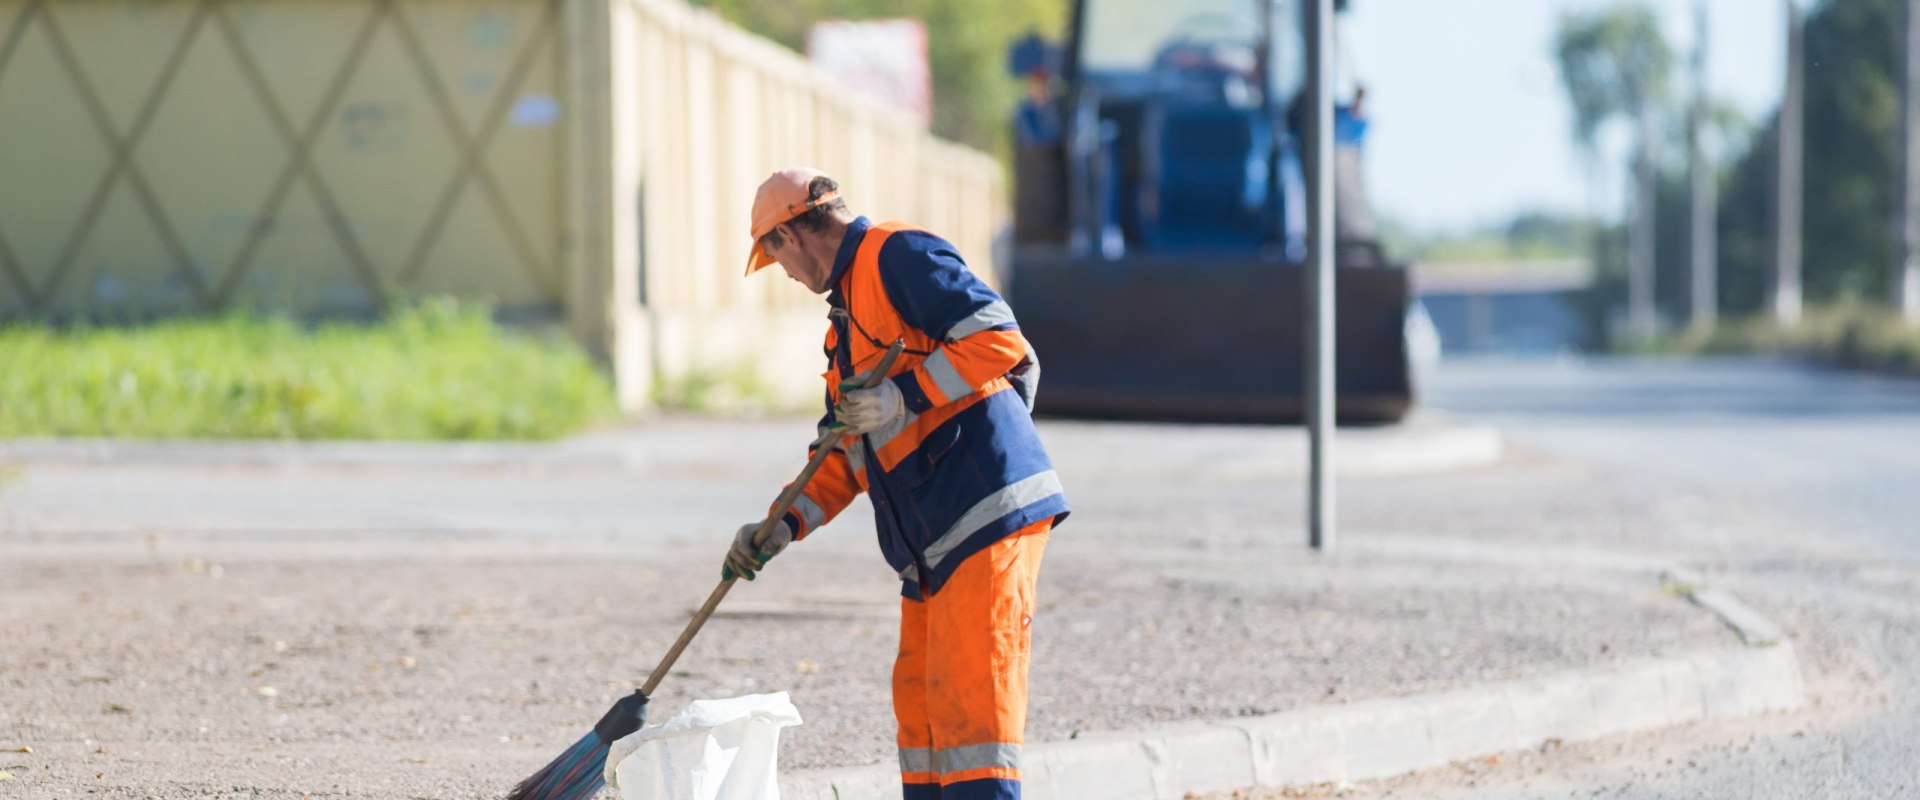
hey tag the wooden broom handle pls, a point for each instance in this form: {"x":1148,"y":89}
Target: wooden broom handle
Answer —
{"x":780,"y":506}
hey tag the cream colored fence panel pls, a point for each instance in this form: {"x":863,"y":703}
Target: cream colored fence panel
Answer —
{"x":588,"y":158}
{"x":169,"y":156}
{"x":721,"y":110}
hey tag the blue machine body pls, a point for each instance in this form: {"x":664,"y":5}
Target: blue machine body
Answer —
{"x":1160,"y":223}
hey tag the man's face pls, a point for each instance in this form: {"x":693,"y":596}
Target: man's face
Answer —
{"x":799,"y":264}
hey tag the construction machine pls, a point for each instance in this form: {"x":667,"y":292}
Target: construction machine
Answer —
{"x":1158,"y":246}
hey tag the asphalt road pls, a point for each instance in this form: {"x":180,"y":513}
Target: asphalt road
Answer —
{"x":401,"y":615}
{"x":1810,"y":480}
{"x":1841,"y":449}
{"x":414,"y":621}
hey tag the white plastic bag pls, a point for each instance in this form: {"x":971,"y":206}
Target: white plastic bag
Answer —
{"x":712,"y":750}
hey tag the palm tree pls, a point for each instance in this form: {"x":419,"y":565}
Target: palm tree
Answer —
{"x":1614,"y":64}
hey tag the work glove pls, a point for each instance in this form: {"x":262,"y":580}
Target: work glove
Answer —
{"x":744,"y":560}
{"x":868,"y":410}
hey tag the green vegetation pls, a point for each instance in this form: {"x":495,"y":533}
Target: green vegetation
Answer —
{"x":1614,"y":64}
{"x":967,"y":40}
{"x":1851,"y":151}
{"x":734,"y":390}
{"x":1852,"y":114}
{"x":1849,"y":333}
{"x":438,"y":370}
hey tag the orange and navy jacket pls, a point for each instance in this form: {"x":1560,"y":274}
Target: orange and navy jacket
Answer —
{"x":965,"y":467}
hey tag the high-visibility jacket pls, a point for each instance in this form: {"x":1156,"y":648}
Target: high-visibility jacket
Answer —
{"x":965,"y":467}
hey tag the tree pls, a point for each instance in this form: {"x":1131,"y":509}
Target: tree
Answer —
{"x":1852,"y":121}
{"x":1702,"y":183}
{"x":967,"y":41}
{"x":1614,"y":64}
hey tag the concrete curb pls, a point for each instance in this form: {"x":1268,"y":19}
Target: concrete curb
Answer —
{"x":1381,"y":738}
{"x":586,"y":453}
{"x":1395,"y":735}
{"x":1220,"y":453}
{"x":1420,"y":446}
{"x":299,"y":454}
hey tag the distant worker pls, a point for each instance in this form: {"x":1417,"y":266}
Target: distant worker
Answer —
{"x":1037,"y":119}
{"x":963,"y":493}
{"x":1352,"y":212}
{"x":1039,"y":145}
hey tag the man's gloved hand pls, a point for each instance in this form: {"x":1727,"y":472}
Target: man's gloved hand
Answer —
{"x":868,"y":410}
{"x":744,"y":560}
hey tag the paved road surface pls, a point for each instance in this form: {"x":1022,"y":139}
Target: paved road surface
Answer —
{"x":373,"y":602}
{"x":434,"y":622}
{"x":1815,"y":476}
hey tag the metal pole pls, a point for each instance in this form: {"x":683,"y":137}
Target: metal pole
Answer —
{"x":1640,"y":249}
{"x":1702,"y":256}
{"x":1319,"y":301}
{"x":1906,"y":220}
{"x":1786,"y":224}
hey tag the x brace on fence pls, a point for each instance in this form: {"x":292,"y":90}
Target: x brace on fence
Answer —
{"x":122,"y":146}
{"x":471,"y":147}
{"x":300,"y":160}
{"x":9,"y":263}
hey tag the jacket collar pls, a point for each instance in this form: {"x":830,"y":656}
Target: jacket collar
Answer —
{"x":842,"y":260}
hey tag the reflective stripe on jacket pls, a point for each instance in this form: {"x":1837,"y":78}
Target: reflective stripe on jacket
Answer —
{"x":964,"y":468}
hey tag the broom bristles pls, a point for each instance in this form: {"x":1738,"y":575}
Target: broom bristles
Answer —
{"x":580,"y":771}
{"x":575,"y":775}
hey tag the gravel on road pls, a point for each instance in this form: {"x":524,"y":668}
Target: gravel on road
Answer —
{"x":286,"y":645}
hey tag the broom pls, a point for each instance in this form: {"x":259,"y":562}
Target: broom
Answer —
{"x":578,"y":773}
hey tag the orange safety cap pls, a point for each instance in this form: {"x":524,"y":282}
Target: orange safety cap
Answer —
{"x":781,"y":197}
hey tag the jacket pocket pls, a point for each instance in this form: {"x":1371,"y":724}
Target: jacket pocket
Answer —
{"x":919,"y":467}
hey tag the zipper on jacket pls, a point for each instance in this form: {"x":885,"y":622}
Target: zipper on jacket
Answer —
{"x":876,"y":476}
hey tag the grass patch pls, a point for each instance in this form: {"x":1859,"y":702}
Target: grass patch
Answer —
{"x":737,"y":389}
{"x":436,"y":370}
{"x":1849,"y":334}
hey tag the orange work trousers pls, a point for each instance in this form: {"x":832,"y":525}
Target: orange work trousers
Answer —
{"x":960,"y":683}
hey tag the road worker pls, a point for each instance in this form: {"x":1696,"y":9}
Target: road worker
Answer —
{"x":963,"y":493}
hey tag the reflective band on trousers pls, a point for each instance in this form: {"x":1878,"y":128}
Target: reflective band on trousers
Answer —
{"x":991,"y":315}
{"x":957,"y":759}
{"x":945,"y":377}
{"x":1011,"y":498}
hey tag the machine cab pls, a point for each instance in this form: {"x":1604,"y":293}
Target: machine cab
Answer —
{"x":1169,"y":129}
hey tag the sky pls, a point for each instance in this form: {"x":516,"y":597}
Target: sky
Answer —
{"x":1469,"y":123}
